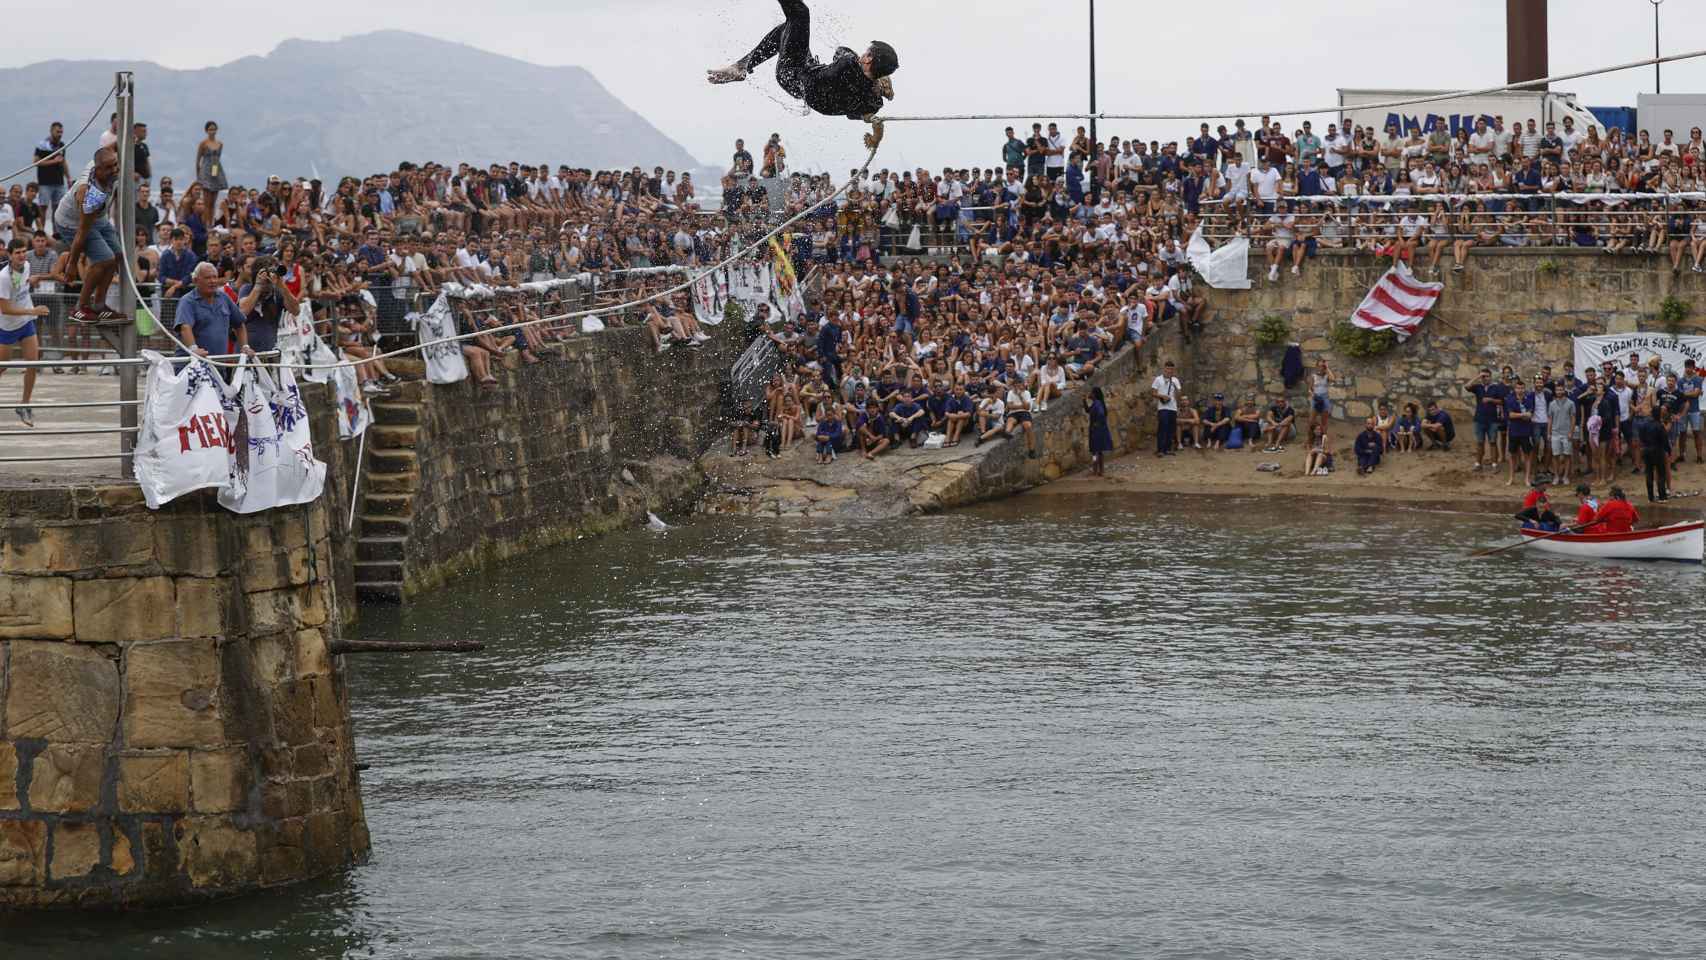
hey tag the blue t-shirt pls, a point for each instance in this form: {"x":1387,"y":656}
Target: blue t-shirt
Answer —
{"x":1691,"y":385}
{"x":1491,"y":400}
{"x":1514,"y":404}
{"x":210,"y":321}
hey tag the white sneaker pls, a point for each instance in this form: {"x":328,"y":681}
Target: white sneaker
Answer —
{"x":1273,"y":274}
{"x":733,"y":73}
{"x":1295,"y":271}
{"x":1043,"y":407}
{"x":372,"y":389}
{"x":700,"y":337}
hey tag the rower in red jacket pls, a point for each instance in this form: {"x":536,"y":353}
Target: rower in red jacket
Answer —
{"x":1617,"y":515}
{"x":1589,"y":508}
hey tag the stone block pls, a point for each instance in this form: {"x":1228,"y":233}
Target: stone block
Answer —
{"x":66,"y":778}
{"x":159,"y":857}
{"x":311,"y":606}
{"x":217,"y":853}
{"x":76,"y":850}
{"x":31,"y":548}
{"x":35,"y":608}
{"x":273,"y":655}
{"x":312,"y":657}
{"x":154,"y":783}
{"x":201,"y":607}
{"x":9,"y":799}
{"x":171,"y":695}
{"x":123,"y":611}
{"x":23,"y":853}
{"x":122,"y":862}
{"x":63,"y":693}
{"x":283,"y":858}
{"x":220,"y":780}
{"x":187,"y":546}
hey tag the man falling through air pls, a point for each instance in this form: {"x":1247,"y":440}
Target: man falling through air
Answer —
{"x":850,"y":86}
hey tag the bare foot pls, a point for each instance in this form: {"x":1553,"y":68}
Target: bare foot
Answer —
{"x":733,"y":73}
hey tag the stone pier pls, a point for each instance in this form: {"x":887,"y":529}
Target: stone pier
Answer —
{"x":173,"y":723}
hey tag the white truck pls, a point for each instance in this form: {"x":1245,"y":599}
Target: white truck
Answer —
{"x":1515,"y":107}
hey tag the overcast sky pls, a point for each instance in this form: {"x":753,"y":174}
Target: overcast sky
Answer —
{"x":985,"y":56}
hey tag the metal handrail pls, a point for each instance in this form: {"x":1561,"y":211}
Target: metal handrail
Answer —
{"x":37,"y":432}
{"x":120,"y":362}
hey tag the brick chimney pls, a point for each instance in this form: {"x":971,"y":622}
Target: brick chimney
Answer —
{"x":1525,"y":41}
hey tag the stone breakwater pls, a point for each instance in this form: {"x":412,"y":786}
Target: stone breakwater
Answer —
{"x":1510,"y":306}
{"x":905,"y":481}
{"x":173,"y":723}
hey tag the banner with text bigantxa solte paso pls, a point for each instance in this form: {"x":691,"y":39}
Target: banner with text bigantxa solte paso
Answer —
{"x":1673,"y":352}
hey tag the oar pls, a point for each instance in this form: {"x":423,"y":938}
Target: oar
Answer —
{"x":1514,"y":546}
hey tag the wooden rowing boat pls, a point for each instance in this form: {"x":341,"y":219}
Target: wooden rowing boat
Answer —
{"x":1685,"y":542}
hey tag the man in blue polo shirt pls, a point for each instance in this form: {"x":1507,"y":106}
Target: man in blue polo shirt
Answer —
{"x":908,"y":418}
{"x":1489,"y":404}
{"x":207,"y":317}
{"x":960,"y":409}
{"x":1519,"y":406}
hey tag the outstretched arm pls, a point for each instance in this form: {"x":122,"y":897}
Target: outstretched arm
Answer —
{"x":875,"y":137}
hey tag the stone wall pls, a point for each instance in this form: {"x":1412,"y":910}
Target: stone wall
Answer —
{"x":605,"y":431}
{"x":1509,"y":306}
{"x":173,"y":725}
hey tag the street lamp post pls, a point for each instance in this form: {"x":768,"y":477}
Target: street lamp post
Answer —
{"x":1092,"y":75}
{"x":1658,"y":78}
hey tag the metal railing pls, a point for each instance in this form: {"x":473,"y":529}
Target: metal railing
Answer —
{"x":1616,"y":221}
{"x":39,"y":432}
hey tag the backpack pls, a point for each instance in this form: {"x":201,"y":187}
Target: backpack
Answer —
{"x":1235,"y":441}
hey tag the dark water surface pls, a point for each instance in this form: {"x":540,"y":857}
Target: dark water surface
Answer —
{"x":1142,"y":727}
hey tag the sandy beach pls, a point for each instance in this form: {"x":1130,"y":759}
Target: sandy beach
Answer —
{"x":1435,"y":477}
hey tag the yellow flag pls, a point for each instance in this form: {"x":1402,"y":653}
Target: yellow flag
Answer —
{"x":785,"y":277}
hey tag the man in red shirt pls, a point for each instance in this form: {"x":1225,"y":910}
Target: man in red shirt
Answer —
{"x":1537,"y":509}
{"x":1617,"y":515}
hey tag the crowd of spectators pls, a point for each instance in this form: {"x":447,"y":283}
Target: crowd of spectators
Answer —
{"x":1438,"y":193}
{"x":915,"y":354}
{"x":365,"y":251}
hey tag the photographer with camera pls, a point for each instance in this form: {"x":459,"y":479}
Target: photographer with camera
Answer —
{"x":262,"y":300}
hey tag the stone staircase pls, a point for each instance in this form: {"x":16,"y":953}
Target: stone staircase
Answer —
{"x":389,"y":481}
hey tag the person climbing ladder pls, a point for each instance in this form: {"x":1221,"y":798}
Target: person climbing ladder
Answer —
{"x":850,"y":85}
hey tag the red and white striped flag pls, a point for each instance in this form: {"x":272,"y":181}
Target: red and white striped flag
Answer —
{"x":1398,"y":303}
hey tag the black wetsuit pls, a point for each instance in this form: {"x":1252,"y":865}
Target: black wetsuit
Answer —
{"x":838,"y":88}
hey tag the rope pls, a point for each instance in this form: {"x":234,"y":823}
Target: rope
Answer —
{"x":36,"y":163}
{"x":864,"y":169}
{"x":1337,"y":108}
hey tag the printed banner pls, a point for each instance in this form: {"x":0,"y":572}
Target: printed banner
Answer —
{"x":751,"y":285}
{"x":1672,"y":352}
{"x":184,"y":443}
{"x":272,"y":461}
{"x":444,"y":361}
{"x":1225,"y":269}
{"x":1398,"y":302}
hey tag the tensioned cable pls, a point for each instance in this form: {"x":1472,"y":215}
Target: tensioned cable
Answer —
{"x":92,"y":118}
{"x":130,"y":278}
{"x":865,"y":169}
{"x":1335,"y":108}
